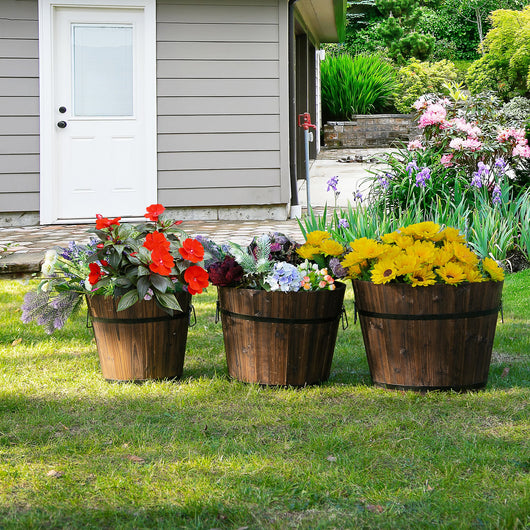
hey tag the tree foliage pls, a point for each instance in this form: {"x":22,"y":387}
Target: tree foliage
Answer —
{"x":505,"y":65}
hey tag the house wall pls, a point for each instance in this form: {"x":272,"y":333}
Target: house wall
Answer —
{"x":19,"y":109}
{"x":222,"y":104}
{"x":222,"y":83}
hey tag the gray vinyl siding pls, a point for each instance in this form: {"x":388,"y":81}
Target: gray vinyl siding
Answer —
{"x":19,"y":106}
{"x":222,"y":86}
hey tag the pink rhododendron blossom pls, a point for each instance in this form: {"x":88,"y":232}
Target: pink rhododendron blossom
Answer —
{"x":446,"y":160}
{"x":472,"y":144}
{"x":521,"y":150}
{"x":456,"y":144}
{"x":434,"y":114}
{"x":420,"y":103}
{"x":471,"y":130}
{"x":516,"y":135}
{"x":415,"y":144}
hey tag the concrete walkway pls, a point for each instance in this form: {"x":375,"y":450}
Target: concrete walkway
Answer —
{"x":27,"y":245}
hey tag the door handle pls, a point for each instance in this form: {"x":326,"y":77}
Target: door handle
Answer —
{"x":62,"y":124}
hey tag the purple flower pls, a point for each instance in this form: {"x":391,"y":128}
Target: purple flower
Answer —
{"x":412,"y":166}
{"x":496,"y":196}
{"x":384,"y":182}
{"x":332,"y":183}
{"x":358,"y":196}
{"x":422,"y":177}
{"x":501,"y":164}
{"x":343,"y":223}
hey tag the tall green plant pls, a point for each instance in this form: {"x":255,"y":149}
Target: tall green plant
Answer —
{"x":355,"y":85}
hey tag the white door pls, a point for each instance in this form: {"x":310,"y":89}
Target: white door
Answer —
{"x":102,"y":113}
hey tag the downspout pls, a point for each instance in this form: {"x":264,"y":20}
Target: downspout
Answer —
{"x":292,"y":112}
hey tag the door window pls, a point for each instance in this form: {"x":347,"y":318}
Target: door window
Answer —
{"x":102,"y":66}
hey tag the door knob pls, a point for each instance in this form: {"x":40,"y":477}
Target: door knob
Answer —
{"x":61,"y":124}
{"x":62,"y":110}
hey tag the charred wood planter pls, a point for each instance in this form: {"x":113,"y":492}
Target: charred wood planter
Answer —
{"x":142,"y":342}
{"x":280,"y":338}
{"x":437,"y":337}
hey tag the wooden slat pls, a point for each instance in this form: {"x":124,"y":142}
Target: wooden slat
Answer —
{"x":218,"y":14}
{"x":19,"y":48}
{"x":214,"y":51}
{"x":217,"y":69}
{"x":26,"y":182}
{"x":26,"y":86}
{"x":13,"y":145}
{"x":19,"y":106}
{"x":19,"y":164}
{"x":220,"y":197}
{"x":19,"y":29}
{"x":213,"y":124}
{"x":19,"y":67}
{"x":227,"y":178}
{"x":221,"y":87}
{"x":217,"y":142}
{"x":19,"y":125}
{"x":19,"y":202}
{"x":217,"y":105}
{"x":219,"y":160}
{"x":177,"y":32}
{"x":18,"y":10}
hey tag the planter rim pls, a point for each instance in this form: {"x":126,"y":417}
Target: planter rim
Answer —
{"x":340,"y":285}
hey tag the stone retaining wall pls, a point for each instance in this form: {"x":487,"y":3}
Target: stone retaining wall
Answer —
{"x":376,"y":130}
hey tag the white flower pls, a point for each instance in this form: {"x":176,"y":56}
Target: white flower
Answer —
{"x":88,"y":285}
{"x":49,"y":262}
{"x":46,"y":287}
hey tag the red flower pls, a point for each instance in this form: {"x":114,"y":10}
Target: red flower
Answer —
{"x":95,"y":273}
{"x":154,"y":211}
{"x":197,"y":279}
{"x":162,"y":261}
{"x":192,"y":250}
{"x":156,"y":240}
{"x":225,"y":273}
{"x":104,"y":222}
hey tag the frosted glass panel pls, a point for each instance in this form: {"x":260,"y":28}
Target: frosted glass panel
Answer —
{"x":102,"y":70}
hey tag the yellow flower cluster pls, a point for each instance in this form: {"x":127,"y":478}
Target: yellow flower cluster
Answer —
{"x":419,"y":254}
{"x":319,"y":243}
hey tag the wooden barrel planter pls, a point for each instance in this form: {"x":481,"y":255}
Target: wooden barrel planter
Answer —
{"x":277,"y":338}
{"x":142,"y":342}
{"x":438,"y":337}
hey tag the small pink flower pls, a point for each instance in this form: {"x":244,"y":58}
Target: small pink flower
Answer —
{"x":415,"y":144}
{"x":521,"y":150}
{"x":446,"y":160}
{"x":434,"y":114}
{"x":472,"y":144}
{"x":456,"y":144}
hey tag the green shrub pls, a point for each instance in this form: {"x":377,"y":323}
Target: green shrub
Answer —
{"x":418,"y":78}
{"x":355,"y":85}
{"x":505,"y":67}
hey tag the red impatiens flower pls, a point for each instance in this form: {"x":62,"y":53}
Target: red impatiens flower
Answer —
{"x":162,"y":261}
{"x":104,"y":222}
{"x":154,"y":211}
{"x":156,"y":240}
{"x":197,"y":279}
{"x":95,"y":273}
{"x":192,"y":250}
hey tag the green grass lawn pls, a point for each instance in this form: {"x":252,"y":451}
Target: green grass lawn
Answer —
{"x":206,"y":452}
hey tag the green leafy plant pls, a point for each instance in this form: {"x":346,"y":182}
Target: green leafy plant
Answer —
{"x":151,"y":260}
{"x":504,"y":67}
{"x":417,"y":78}
{"x":355,"y":85}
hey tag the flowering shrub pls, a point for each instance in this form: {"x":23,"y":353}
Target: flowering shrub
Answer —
{"x":151,"y":260}
{"x":273,"y":262}
{"x":420,"y":254}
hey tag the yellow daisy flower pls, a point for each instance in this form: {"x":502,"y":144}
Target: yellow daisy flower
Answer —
{"x":423,"y":250}
{"x":308,"y":251}
{"x":464,"y":254}
{"x":443,"y":255}
{"x":367,"y":248}
{"x":451,"y":234}
{"x":426,"y":230}
{"x":354,"y":271}
{"x":352,"y":258}
{"x":329,"y":247}
{"x":422,"y":277}
{"x":495,"y":272}
{"x":390,"y":238}
{"x":473,"y":274}
{"x":405,"y":264}
{"x":316,"y":237}
{"x":452,"y":273}
{"x":384,"y":271}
